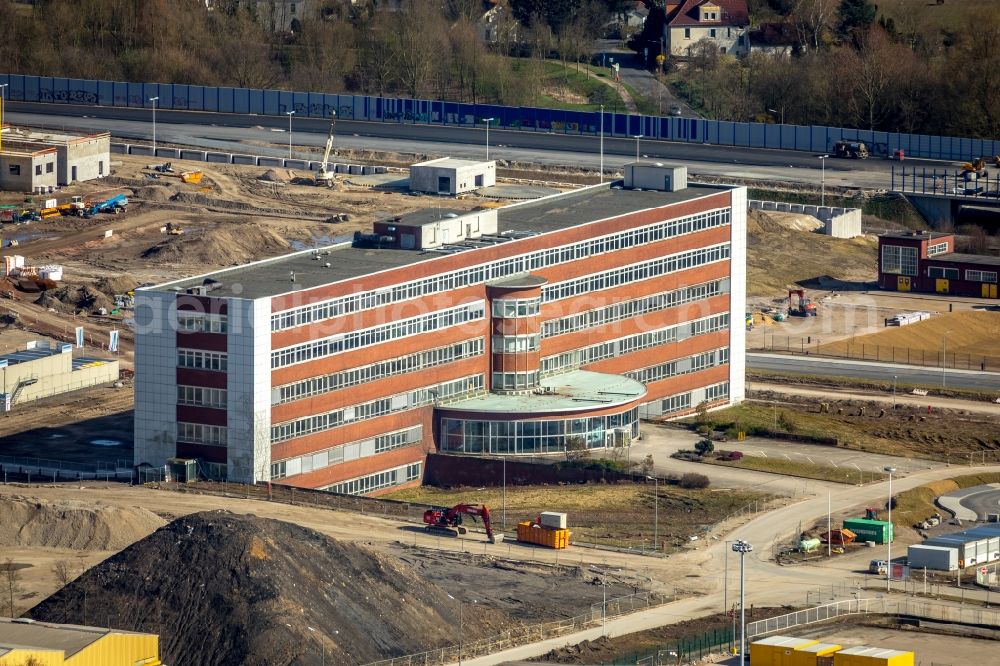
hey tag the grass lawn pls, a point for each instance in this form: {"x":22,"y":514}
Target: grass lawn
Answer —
{"x":906,"y":431}
{"x":913,"y":506}
{"x":806,"y":470}
{"x":620,"y":515}
{"x":863,"y":384}
{"x":568,"y":88}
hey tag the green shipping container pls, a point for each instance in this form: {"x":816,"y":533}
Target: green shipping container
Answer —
{"x":879,"y":531}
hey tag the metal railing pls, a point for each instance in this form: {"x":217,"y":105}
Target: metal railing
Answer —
{"x":531,"y":634}
{"x":816,"y":614}
{"x":45,"y":469}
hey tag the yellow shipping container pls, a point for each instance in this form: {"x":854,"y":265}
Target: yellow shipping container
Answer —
{"x":777,"y":650}
{"x":818,"y":654}
{"x":529,"y":532}
{"x":872,"y":656}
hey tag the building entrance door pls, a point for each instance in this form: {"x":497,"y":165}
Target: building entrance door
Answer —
{"x":903,"y":283}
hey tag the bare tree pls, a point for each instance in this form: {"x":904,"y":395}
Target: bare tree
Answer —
{"x":63,"y":570}
{"x":12,"y":578}
{"x":813,"y":19}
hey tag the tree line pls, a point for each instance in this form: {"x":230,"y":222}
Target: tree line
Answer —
{"x":848,"y":65}
{"x":851,"y":67}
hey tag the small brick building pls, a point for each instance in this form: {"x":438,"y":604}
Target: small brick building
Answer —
{"x":927,"y":262}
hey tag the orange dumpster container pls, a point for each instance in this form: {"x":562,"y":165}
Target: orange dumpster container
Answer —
{"x":529,"y":532}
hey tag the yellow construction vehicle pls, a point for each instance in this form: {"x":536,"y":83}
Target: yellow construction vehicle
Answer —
{"x":974,"y":169}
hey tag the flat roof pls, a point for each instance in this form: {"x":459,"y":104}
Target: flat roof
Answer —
{"x":914,"y":235}
{"x":962,"y":258}
{"x":568,"y":392}
{"x":272,"y":277}
{"x":48,"y":137}
{"x":419,"y":218}
{"x":66,"y":637}
{"x":877,"y":652}
{"x":26,"y":355}
{"x":784,"y":641}
{"x":452,"y":163}
{"x":820,"y":647}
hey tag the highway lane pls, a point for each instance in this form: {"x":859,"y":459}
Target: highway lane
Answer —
{"x":266,"y":135}
{"x":912,"y":374}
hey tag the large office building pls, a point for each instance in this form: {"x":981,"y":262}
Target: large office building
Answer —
{"x":543,"y":326}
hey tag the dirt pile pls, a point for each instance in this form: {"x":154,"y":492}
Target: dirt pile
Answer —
{"x":225,"y":589}
{"x":116,"y":284}
{"x":69,"y":298}
{"x":26,"y":521}
{"x":222,"y":245}
{"x":154,"y":193}
{"x":274,"y":176}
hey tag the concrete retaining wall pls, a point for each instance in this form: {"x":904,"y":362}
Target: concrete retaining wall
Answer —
{"x":837,"y":222}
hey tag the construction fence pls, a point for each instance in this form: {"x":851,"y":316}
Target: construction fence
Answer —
{"x":246,"y":101}
{"x":884,"y":353}
{"x":530,"y":634}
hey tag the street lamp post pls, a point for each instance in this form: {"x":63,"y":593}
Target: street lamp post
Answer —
{"x":944,"y":359}
{"x":742,"y":547}
{"x":2,"y":86}
{"x":154,"y":100}
{"x":602,"y":144}
{"x":461,"y":626}
{"x":822,"y":191}
{"x":637,"y":137}
{"x":894,"y":378}
{"x":290,"y":114}
{"x":503,"y":512}
{"x":656,"y":512}
{"x":888,"y":563}
{"x":488,"y":121}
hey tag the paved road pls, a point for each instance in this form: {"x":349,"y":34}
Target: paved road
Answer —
{"x":266,"y":135}
{"x":634,"y":74}
{"x":826,"y":393}
{"x":766,"y":582}
{"x":912,"y":374}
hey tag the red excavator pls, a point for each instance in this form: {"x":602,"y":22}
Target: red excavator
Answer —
{"x":799,"y":305}
{"x":450,"y":520}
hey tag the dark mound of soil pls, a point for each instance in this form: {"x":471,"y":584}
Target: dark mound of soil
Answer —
{"x":225,"y":589}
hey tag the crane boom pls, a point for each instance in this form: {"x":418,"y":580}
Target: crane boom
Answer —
{"x":325,"y":175}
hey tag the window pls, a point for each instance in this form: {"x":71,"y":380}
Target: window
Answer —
{"x":15,"y":169}
{"x":291,"y":9}
{"x":899,"y":259}
{"x":369,"y":373}
{"x":704,"y":361}
{"x":501,"y":268}
{"x":198,"y":433}
{"x":580,"y":357}
{"x":687,"y":33}
{"x":378,"y":481}
{"x":633,"y":308}
{"x":635,"y":272}
{"x":378,"y":334}
{"x":347,"y":452}
{"x":202,"y":360}
{"x":942,"y":272}
{"x":512,"y":381}
{"x":511,"y":344}
{"x":937,"y":248}
{"x":201,"y":323}
{"x":198,"y":396}
{"x":711,"y":33}
{"x":400,"y":402}
{"x":717,"y":392}
{"x":38,"y":169}
{"x":48,"y":168}
{"x":981,"y":276}
{"x":513,"y":308}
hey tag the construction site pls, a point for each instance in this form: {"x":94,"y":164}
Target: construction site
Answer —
{"x":629,"y":563}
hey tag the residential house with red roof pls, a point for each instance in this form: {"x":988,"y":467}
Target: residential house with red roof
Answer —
{"x":725,"y":22}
